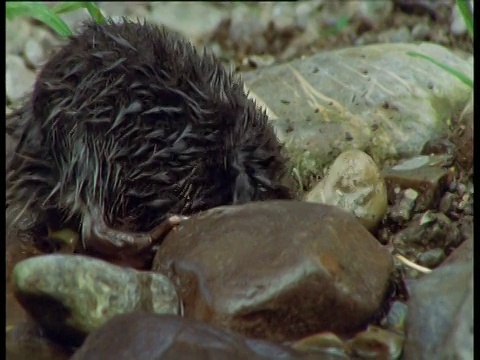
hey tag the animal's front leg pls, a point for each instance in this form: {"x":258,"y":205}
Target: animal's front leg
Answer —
{"x":112,"y":242}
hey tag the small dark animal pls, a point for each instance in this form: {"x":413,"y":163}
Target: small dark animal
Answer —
{"x":128,"y":126}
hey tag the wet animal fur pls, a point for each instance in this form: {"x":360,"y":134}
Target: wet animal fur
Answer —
{"x":128,"y":121}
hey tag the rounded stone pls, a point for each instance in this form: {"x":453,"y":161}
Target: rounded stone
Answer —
{"x":72,"y":295}
{"x":278,"y":270}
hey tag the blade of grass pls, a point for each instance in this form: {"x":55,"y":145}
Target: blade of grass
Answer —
{"x":40,"y":12}
{"x":459,"y":75}
{"x":95,"y":12}
{"x":467,"y":15}
{"x":12,"y":10}
{"x":65,"y":7}
{"x":91,"y":7}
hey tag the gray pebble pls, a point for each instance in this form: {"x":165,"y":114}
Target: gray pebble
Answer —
{"x":16,"y":31}
{"x":421,"y":31}
{"x":457,"y":26}
{"x":18,"y":79}
{"x":34,"y":53}
{"x":431,"y":258}
{"x":461,"y":189}
{"x":446,"y":203}
{"x":402,"y":211}
{"x":47,"y":40}
{"x":453,"y":185}
{"x":90,"y":291}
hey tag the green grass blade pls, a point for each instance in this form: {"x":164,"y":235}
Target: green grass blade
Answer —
{"x":22,"y":8}
{"x":459,"y":75}
{"x":65,"y":7}
{"x":95,"y":12}
{"x":90,"y":6}
{"x":467,"y":15}
{"x":40,"y":12}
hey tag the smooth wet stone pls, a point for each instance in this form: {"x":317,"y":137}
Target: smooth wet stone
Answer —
{"x":440,"y":315}
{"x":354,"y":184}
{"x":464,"y":253}
{"x":164,"y":337}
{"x":279,"y":270}
{"x":396,"y":317}
{"x":424,"y":174}
{"x":72,"y":295}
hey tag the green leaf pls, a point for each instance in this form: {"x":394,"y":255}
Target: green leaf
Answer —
{"x":40,"y":12}
{"x":467,"y":15}
{"x":459,"y":75}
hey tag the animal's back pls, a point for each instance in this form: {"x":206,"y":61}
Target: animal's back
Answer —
{"x":128,"y":121}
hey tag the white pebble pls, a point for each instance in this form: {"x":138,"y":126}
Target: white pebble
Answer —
{"x":354,"y":184}
{"x":18,"y":79}
{"x":34,"y":53}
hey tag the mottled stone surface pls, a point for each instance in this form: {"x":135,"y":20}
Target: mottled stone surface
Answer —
{"x":154,"y":337}
{"x":354,"y":183}
{"x":279,"y":270}
{"x":374,"y":98}
{"x":72,"y":295}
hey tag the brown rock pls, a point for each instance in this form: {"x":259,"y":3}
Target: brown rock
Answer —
{"x":279,"y":270}
{"x":154,"y":337}
{"x":424,"y":174}
{"x":27,"y":340}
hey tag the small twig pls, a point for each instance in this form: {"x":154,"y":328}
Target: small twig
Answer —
{"x":413,"y":265}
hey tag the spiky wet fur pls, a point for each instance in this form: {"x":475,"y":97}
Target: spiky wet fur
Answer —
{"x":128,"y":121}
